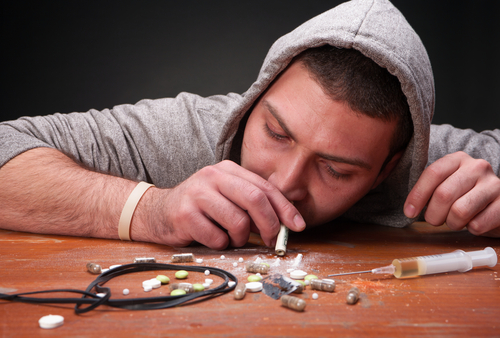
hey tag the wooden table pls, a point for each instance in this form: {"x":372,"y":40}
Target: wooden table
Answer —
{"x":451,"y":304}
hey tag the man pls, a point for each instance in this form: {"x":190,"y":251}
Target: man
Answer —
{"x":289,"y":137}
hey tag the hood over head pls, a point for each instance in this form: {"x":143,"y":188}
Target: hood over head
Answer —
{"x":379,"y":31}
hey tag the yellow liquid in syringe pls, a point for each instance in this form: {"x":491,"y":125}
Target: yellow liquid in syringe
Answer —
{"x":408,"y":267}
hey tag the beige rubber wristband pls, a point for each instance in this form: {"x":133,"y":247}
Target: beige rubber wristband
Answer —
{"x":129,"y":208}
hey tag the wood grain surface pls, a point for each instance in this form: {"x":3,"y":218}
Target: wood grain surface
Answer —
{"x":446,"y":305}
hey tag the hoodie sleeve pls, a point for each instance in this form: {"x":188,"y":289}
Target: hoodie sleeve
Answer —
{"x":445,"y":139}
{"x":162,"y":141}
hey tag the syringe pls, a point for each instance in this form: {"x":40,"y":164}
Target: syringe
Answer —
{"x":458,"y":260}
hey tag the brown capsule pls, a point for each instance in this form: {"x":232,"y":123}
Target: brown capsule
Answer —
{"x":327,"y":285}
{"x":183,"y":258}
{"x":183,"y":286}
{"x":300,"y":287}
{"x":94,"y":268}
{"x":294,"y":303}
{"x":257,"y":267}
{"x":352,"y":296}
{"x":240,"y":291}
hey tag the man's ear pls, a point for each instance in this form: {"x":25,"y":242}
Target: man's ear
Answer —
{"x":387,"y":169}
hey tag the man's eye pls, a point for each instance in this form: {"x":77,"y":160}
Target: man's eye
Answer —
{"x":273,"y":134}
{"x":332,"y":172}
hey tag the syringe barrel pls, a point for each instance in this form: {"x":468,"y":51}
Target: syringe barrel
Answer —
{"x":454,"y":261}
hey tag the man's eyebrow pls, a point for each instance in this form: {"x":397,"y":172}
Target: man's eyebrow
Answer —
{"x":351,"y":161}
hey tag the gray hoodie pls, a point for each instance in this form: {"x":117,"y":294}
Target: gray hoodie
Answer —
{"x":164,"y":141}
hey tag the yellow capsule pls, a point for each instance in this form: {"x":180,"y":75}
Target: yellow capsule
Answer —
{"x":352,"y":296}
{"x":183,"y":258}
{"x":94,"y":268}
{"x":257,"y":267}
{"x":294,"y":303}
{"x":240,"y":291}
{"x":327,"y":285}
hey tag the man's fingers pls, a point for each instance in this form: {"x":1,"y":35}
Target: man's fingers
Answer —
{"x":285,"y":210}
{"x":229,"y":216}
{"x":430,"y":179}
{"x":449,"y":201}
{"x":471,"y":205}
{"x":487,"y":222}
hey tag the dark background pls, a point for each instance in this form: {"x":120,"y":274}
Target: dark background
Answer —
{"x":64,"y":56}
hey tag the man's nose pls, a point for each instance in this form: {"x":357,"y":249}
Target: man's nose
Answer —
{"x":290,"y":177}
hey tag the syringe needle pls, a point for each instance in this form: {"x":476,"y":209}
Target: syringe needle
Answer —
{"x":349,"y":273}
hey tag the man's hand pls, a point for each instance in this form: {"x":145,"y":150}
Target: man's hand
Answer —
{"x":460,"y":191}
{"x":218,"y":205}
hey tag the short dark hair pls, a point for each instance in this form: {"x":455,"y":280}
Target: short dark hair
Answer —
{"x":348,"y":76}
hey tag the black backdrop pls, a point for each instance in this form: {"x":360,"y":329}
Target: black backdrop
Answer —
{"x":64,"y":56}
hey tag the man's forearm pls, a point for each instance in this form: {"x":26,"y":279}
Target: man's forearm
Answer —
{"x":44,"y":191}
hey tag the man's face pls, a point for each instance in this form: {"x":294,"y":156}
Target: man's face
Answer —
{"x":316,"y":151}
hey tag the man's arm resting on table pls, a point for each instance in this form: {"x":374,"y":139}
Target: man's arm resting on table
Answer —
{"x":43,"y":191}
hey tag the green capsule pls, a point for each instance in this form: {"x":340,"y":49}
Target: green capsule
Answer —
{"x":254,"y":278}
{"x":163,"y":279}
{"x":309,"y":277}
{"x":181,"y":274}
{"x":177,"y":292}
{"x":198,"y":287}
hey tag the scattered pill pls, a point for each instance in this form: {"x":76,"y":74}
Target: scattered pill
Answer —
{"x":231,"y":283}
{"x":222,"y":257}
{"x":207,"y":272}
{"x":352,"y":296}
{"x":254,"y":286}
{"x":94,"y":268}
{"x":294,"y":303}
{"x":309,"y":277}
{"x":315,"y":296}
{"x":239,"y":291}
{"x":199,"y":260}
{"x":266,"y":264}
{"x":51,"y":321}
{"x":206,"y":285}
{"x":187,"y":287}
{"x":235,"y":264}
{"x":100,"y":294}
{"x":177,"y":292}
{"x":145,"y":260}
{"x":115,"y":266}
{"x":257,"y":267}
{"x":198,"y":287}
{"x":258,"y":274}
{"x":148,"y":288}
{"x":183,"y":258}
{"x":126,"y":292}
{"x":163,"y":279}
{"x":298,"y":274}
{"x":254,"y":278}
{"x":154,"y":283}
{"x":209,"y":281}
{"x":240,"y":259}
{"x":327,"y":285}
{"x":104,"y":270}
{"x":181,"y":274}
